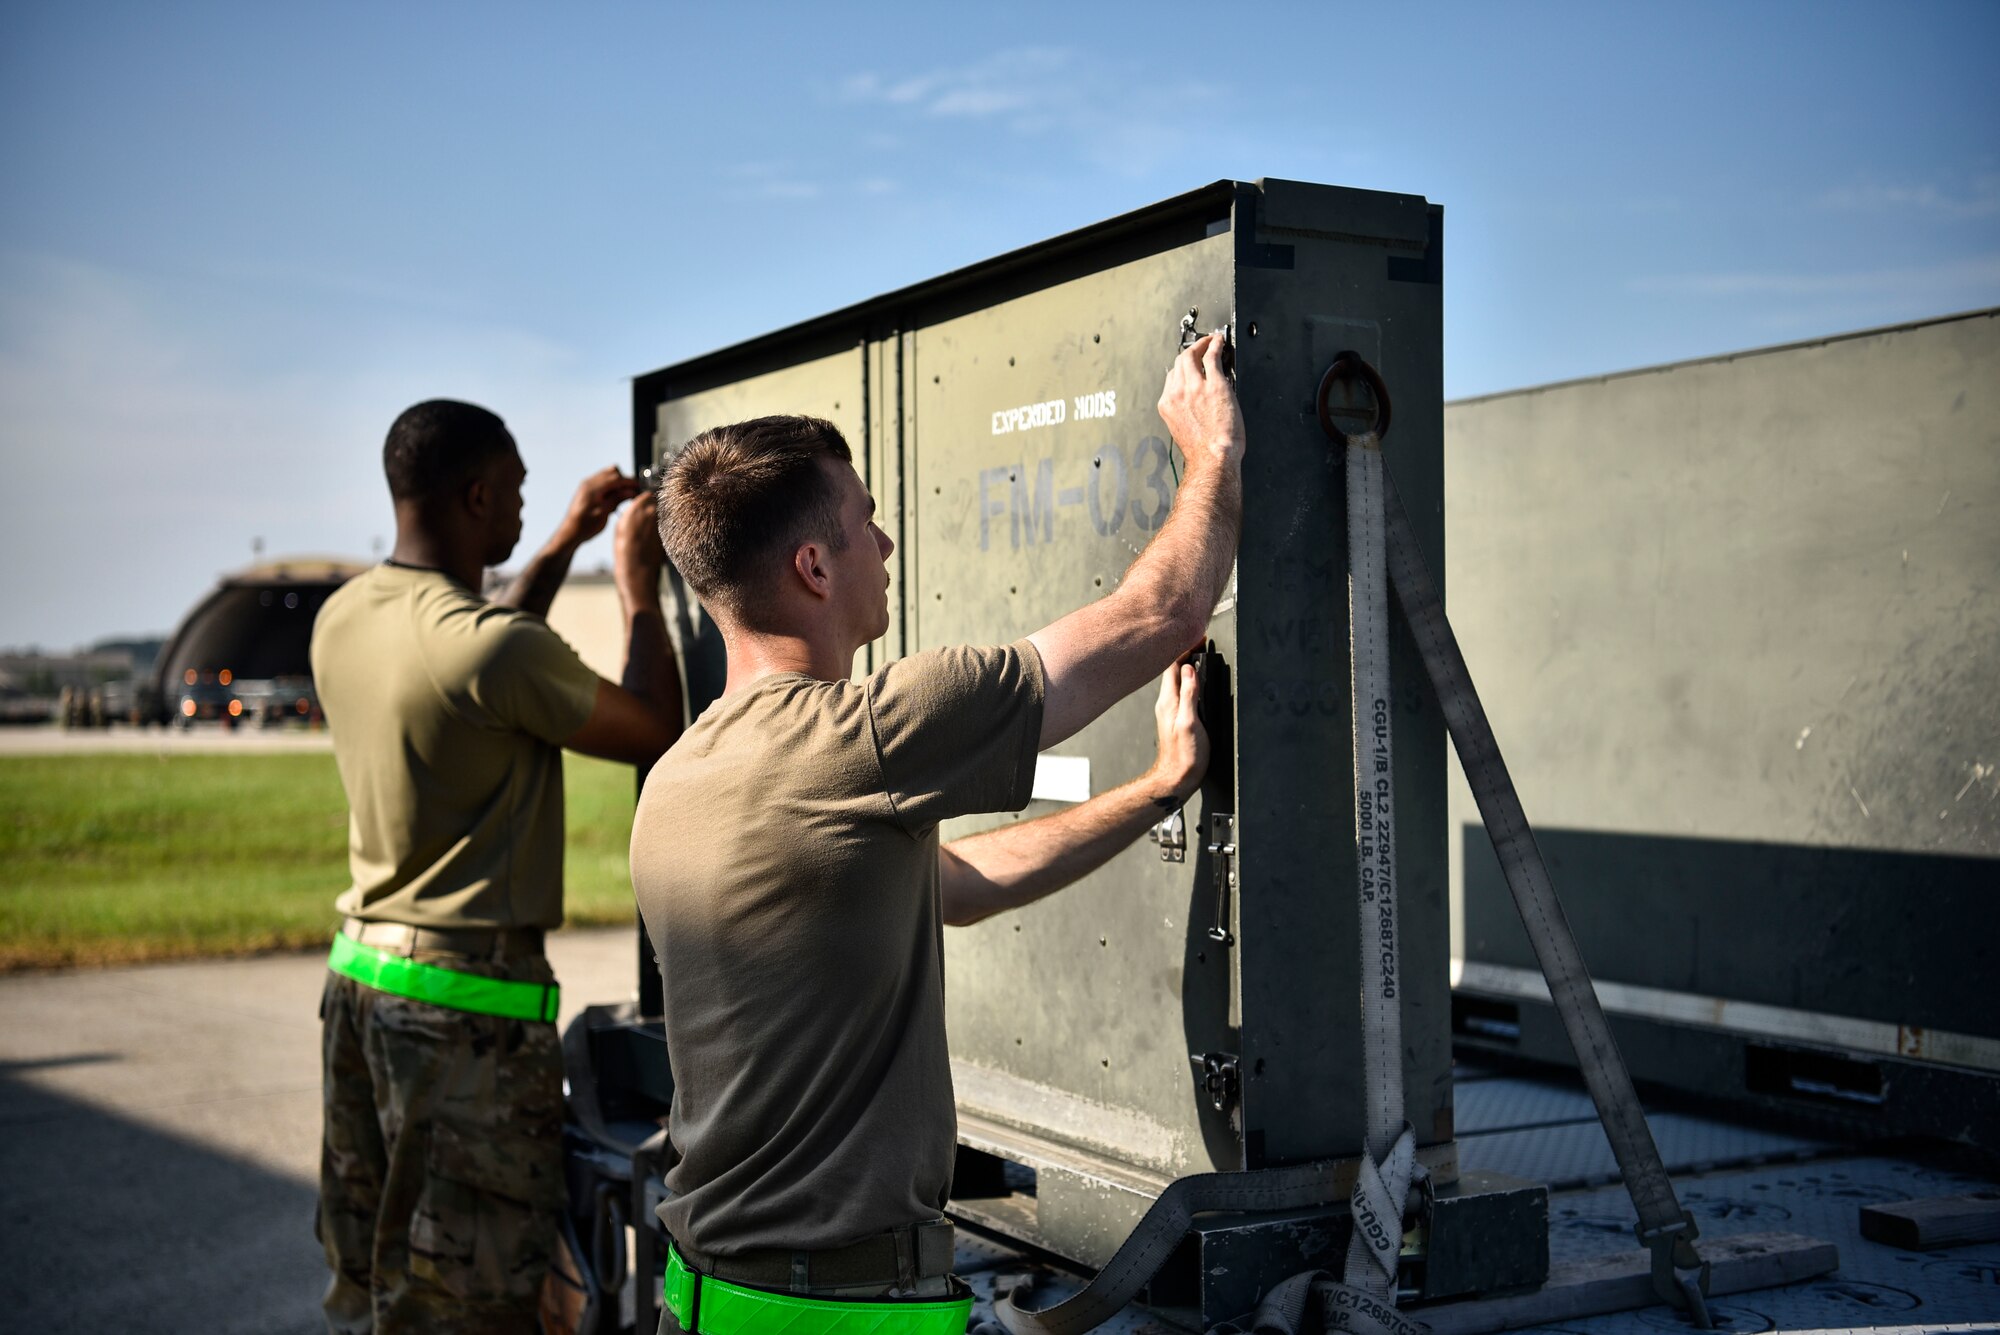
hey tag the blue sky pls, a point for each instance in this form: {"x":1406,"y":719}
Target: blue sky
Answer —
{"x":238,"y":239}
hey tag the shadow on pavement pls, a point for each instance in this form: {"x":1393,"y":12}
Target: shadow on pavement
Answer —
{"x":107,"y":1224}
{"x":44,"y":1063}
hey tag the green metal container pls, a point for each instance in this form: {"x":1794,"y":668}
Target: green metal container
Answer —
{"x":1161,"y":1017}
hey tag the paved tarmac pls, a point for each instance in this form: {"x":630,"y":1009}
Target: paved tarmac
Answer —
{"x":159,"y":1139}
{"x":206,"y":738}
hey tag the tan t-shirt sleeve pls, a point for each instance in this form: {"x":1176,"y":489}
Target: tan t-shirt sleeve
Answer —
{"x":956,"y":730}
{"x":529,"y":679}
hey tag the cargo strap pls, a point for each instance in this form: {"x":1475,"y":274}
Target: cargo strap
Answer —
{"x":1283,"y":1311}
{"x":420,"y":980}
{"x":1680,"y":1276}
{"x":1164,"y":1224}
{"x":704,"y":1305}
{"x":1382,"y":1187}
{"x":1377,"y":520}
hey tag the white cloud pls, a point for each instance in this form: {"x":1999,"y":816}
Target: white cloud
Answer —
{"x":1038,"y":94}
{"x":979,"y":102}
{"x":1007,"y":81}
{"x":1978,"y":197}
{"x":1054,"y":93}
{"x":769,"y":181}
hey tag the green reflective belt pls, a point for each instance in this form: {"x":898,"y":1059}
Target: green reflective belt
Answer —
{"x":708,"y":1306}
{"x":419,"y":981}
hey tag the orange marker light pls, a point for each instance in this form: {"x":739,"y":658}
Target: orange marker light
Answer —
{"x":187,"y":708}
{"x":225,"y":676}
{"x":235,"y":708}
{"x":188,"y":676}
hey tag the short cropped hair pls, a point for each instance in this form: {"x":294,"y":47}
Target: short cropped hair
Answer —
{"x":440,"y":445}
{"x":738,"y":494}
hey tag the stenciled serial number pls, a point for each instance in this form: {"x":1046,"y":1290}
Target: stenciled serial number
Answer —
{"x":1023,"y":503}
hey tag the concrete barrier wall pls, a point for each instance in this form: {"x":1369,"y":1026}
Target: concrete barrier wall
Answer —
{"x":586,"y":613}
{"x":1747,"y":603}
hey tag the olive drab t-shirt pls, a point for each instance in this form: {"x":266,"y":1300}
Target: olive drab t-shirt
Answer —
{"x":785,"y":858}
{"x":448,"y":713}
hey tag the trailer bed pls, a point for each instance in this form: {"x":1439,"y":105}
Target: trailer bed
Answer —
{"x":1737,"y":1179}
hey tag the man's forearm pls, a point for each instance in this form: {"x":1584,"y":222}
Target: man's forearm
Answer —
{"x":534,"y":589}
{"x":1186,"y":566}
{"x":1102,"y":652}
{"x":1014,"y":865}
{"x":651,"y":670}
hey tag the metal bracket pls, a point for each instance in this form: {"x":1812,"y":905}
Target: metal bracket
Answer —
{"x":1171,"y":835}
{"x":1218,"y":1075}
{"x":1222,"y":847}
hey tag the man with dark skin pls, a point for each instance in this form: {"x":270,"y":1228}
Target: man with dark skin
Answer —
{"x":800,"y":937}
{"x":441,"y":1174}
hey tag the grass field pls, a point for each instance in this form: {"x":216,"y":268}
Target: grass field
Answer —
{"x":113,"y":858}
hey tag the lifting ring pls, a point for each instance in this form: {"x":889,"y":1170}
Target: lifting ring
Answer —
{"x":1347,"y":366}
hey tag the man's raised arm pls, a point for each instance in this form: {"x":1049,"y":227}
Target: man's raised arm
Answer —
{"x":639,"y":720}
{"x":534,"y":589}
{"x":1099,"y":654}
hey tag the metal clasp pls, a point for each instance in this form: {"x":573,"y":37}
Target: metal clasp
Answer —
{"x":1217,"y":1072}
{"x":1191,"y":330}
{"x":1222,"y":847}
{"x":1171,"y":835}
{"x":1673,"y":1252}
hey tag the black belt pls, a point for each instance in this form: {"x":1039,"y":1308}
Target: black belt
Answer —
{"x":895,"y":1259}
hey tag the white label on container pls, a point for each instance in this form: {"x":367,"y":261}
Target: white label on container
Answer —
{"x":1062,"y":778}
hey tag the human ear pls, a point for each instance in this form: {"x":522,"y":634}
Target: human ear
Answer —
{"x":806,"y":565}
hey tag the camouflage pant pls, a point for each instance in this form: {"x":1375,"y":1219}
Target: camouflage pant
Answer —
{"x":441,"y":1161}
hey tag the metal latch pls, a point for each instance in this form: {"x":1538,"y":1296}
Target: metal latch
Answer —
{"x":1217,"y":1073}
{"x":1191,"y":330}
{"x":1171,"y":835}
{"x":1222,"y":847}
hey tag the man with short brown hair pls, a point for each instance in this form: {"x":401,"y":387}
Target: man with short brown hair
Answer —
{"x":800,"y":936}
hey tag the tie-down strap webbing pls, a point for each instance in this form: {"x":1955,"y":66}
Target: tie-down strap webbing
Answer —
{"x":1664,"y":1227}
{"x":1161,"y":1229}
